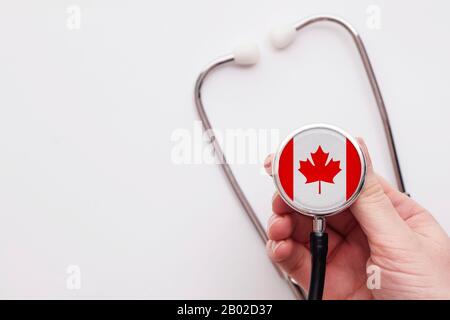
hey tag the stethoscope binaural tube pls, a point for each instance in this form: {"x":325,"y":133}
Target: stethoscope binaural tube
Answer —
{"x":244,"y":55}
{"x":248,"y":55}
{"x":282,"y":37}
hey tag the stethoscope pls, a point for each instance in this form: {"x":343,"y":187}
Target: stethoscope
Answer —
{"x":319,"y":134}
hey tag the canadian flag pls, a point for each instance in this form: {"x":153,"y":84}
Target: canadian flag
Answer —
{"x":320,"y":169}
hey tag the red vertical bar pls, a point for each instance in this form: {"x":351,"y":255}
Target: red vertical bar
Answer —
{"x":353,"y":165}
{"x":286,"y":169}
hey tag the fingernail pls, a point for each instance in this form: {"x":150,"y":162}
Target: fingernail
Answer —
{"x":274,"y":196}
{"x":276,"y":245}
{"x":271,"y":220}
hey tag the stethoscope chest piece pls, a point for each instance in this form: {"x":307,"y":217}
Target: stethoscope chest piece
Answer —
{"x":319,"y":170}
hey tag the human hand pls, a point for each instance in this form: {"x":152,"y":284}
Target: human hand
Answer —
{"x":384,"y":227}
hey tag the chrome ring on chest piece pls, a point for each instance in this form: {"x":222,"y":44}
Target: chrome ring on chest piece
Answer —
{"x":319,"y":170}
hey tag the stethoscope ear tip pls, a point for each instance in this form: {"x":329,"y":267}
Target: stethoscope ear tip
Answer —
{"x":246,"y":54}
{"x":281,"y":37}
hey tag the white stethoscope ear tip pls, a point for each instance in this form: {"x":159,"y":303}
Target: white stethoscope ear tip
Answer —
{"x":246,"y":54}
{"x":283,"y":36}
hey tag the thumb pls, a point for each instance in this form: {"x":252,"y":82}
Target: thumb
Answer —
{"x":374,"y":210}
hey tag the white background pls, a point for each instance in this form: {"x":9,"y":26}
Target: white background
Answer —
{"x":87,"y":116}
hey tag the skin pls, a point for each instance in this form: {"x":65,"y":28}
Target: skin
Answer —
{"x":384,"y":228}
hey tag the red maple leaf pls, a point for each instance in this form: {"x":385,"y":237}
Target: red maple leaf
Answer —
{"x":320,"y":170}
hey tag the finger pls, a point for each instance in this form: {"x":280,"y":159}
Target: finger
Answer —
{"x":299,"y":227}
{"x":342,"y":223}
{"x":293,"y":258}
{"x":373,"y":209}
{"x":268,"y":164}
{"x":302,"y":228}
{"x":280,"y":227}
{"x":392,"y":192}
{"x":279,"y":206}
{"x":405,"y":206}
